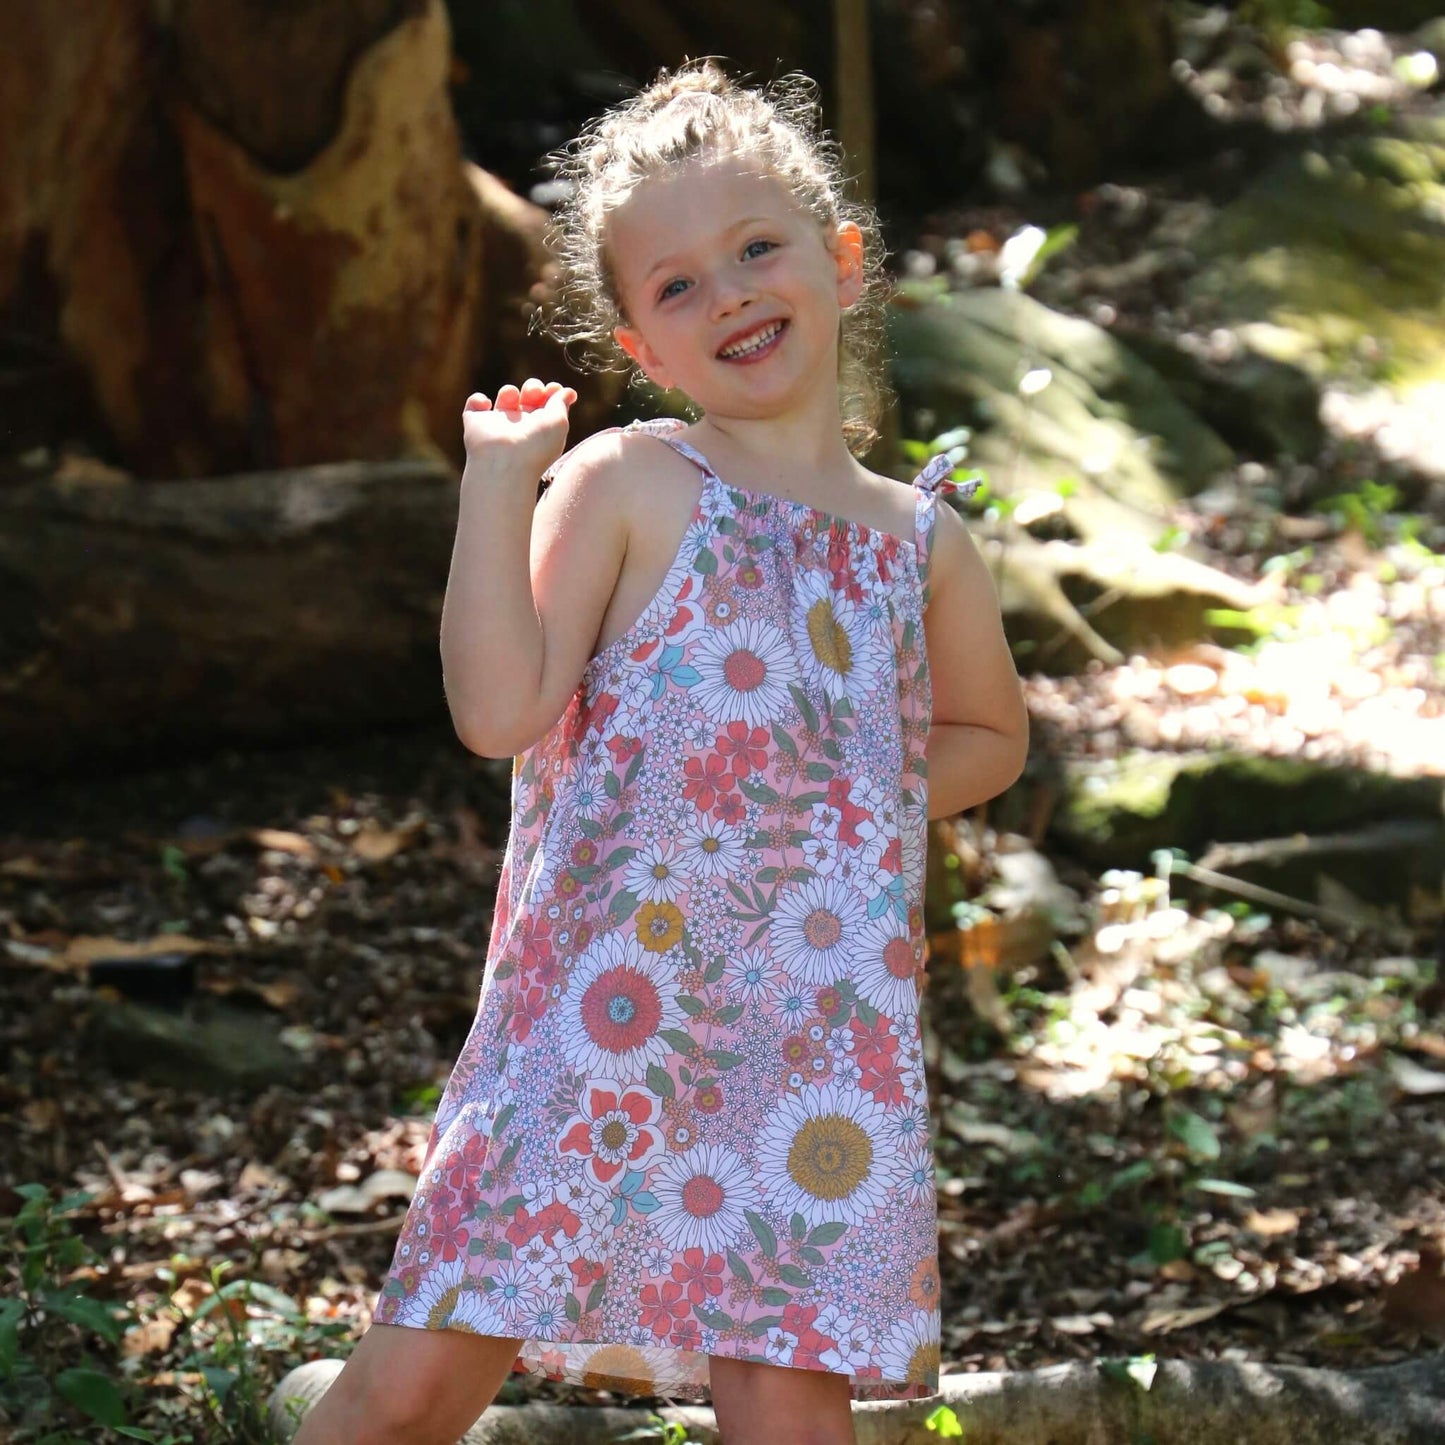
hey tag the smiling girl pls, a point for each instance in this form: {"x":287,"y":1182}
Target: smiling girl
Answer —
{"x":686,"y":1146}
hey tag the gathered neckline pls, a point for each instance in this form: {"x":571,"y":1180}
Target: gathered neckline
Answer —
{"x":834,"y":521}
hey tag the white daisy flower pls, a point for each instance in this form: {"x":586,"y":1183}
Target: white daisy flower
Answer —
{"x":656,"y":873}
{"x":780,"y":1346}
{"x":547,"y":1318}
{"x":793,"y":1005}
{"x":839,"y":648}
{"x":436,"y":1297}
{"x":619,"y":996}
{"x":917,"y":1182}
{"x":813,"y":929}
{"x":753,"y":974}
{"x":474,"y":1314}
{"x":515,"y":1294}
{"x":854,"y":1349}
{"x":822,"y":1154}
{"x":712,"y":848}
{"x":888,"y":965}
{"x":910,"y":1350}
{"x":744,"y":672}
{"x":908,"y":1124}
{"x":701,"y":1196}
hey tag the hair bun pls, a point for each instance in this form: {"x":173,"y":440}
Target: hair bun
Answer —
{"x":695,"y":77}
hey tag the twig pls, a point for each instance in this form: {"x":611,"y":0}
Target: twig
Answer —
{"x":348,"y":1231}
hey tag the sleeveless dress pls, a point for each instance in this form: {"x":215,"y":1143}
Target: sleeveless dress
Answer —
{"x":690,"y":1118}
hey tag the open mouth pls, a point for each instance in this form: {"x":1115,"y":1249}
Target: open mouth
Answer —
{"x":756,"y":345}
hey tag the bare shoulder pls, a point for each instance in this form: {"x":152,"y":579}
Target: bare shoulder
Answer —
{"x":956,"y":568}
{"x":617,"y":473}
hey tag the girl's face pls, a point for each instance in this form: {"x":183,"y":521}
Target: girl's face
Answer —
{"x":732,"y":292}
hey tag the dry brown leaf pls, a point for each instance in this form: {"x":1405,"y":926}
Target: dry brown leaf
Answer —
{"x":1165,"y":1319}
{"x":376,"y":843}
{"x":149,"y":1338}
{"x":278,"y":840}
{"x":1271,"y":1222}
{"x":83,"y":950}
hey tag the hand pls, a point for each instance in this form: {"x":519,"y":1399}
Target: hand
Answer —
{"x":524,"y":429}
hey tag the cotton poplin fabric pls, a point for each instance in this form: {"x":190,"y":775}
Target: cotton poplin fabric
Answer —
{"x":690,"y":1118}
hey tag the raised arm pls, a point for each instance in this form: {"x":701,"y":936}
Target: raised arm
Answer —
{"x":530,"y":581}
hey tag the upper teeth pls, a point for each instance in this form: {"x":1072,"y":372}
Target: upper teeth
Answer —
{"x":760,"y":338}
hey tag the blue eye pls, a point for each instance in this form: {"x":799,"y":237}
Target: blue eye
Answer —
{"x":668,"y":291}
{"x":748,"y":248}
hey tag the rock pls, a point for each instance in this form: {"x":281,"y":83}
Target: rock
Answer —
{"x":1264,"y":407}
{"x":1330,"y":263}
{"x":1117,"y":813}
{"x":1106,"y":422}
{"x":209,"y":1047}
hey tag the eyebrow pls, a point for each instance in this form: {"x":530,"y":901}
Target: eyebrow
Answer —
{"x":667,"y":261}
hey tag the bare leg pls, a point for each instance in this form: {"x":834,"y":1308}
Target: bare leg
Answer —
{"x":405,"y":1386}
{"x":764,"y":1404}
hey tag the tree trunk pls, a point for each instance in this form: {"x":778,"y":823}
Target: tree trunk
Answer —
{"x":247,"y":233}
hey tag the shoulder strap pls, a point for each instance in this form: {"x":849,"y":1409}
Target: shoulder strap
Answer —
{"x":936,"y":478}
{"x":661,"y":427}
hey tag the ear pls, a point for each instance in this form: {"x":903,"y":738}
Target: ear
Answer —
{"x":631,"y":341}
{"x":847,"y":252}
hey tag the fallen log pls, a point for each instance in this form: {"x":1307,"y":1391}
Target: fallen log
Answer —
{"x":1182,"y":1402}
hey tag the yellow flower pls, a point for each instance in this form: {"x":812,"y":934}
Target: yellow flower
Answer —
{"x":659,"y":926}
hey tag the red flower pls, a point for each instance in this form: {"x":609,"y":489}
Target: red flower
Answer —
{"x":623,"y":748}
{"x":450,"y":1235}
{"x":584,"y":852}
{"x":584,"y":1272}
{"x":829,"y":1001}
{"x":884,"y":1082}
{"x":706,"y":777}
{"x":850,"y":813}
{"x":709,"y":1097}
{"x":662,"y":1307}
{"x":464,"y":1164}
{"x":875,"y":1047}
{"x":686,"y":1335}
{"x":798,"y":1321}
{"x":746,"y":747}
{"x":702,"y":1276}
{"x":729,"y":808}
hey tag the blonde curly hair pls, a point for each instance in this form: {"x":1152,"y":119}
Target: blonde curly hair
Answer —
{"x":695,"y":111}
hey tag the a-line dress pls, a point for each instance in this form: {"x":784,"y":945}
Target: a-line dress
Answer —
{"x":690,"y":1118}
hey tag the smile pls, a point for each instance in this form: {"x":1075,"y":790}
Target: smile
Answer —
{"x":756,"y":344}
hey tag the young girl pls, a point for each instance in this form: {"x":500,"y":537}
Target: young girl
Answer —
{"x":686,"y":1144}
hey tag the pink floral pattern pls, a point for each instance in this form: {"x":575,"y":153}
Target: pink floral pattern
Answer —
{"x":690,"y":1118}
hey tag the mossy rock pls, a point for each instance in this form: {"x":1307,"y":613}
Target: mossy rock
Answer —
{"x":1107,"y":424}
{"x":1117,"y":813}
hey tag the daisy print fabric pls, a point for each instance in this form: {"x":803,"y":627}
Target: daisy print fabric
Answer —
{"x":690,"y":1118}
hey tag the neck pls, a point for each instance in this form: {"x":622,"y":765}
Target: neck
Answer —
{"x":808,"y":439}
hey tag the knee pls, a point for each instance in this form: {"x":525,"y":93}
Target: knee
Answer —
{"x":359,"y":1409}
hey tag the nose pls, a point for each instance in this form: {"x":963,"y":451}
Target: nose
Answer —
{"x":731,"y":292}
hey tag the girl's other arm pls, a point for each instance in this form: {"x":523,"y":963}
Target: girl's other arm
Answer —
{"x":529,"y":585}
{"x":980,"y":735}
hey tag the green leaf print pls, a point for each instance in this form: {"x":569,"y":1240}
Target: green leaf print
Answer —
{"x":615,"y":859}
{"x":832,"y":750}
{"x":502,"y":1249}
{"x":809,"y":1255}
{"x":731,"y":1014}
{"x":739,"y":1268}
{"x":722,"y":1059}
{"x":660,"y":1081}
{"x":573,"y":1309}
{"x":682,"y":1041}
{"x":791,"y":1274}
{"x":714,"y":1319}
{"x":705,"y":561}
{"x":509,"y":1153}
{"x":714,"y":971}
{"x":829,"y":1233}
{"x":612,"y":786}
{"x":843,"y":707}
{"x":763,"y":1324}
{"x":758,"y":792}
{"x":633,"y":766}
{"x":512,"y":1203}
{"x":622,"y":907}
{"x":770,"y":875}
{"x":763,"y":1231}
{"x":504,"y":1117}
{"x":867,"y":1014}
{"x":476,"y":1246}
{"x":692,"y":1007}
{"x":810,"y":716}
{"x":594,"y":1295}
{"x":818,"y":773}
{"x":784,"y":741}
{"x":798,"y":1225}
{"x":809,"y":800}
{"x":772,"y":1295}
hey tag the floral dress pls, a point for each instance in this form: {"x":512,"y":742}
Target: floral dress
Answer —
{"x":690,"y":1118}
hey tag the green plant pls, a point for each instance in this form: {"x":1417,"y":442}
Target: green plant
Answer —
{"x":51,"y":1374}
{"x":1365,"y":508}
